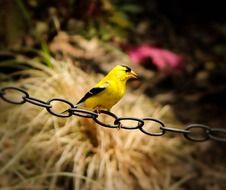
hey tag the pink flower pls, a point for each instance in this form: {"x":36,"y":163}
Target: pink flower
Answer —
{"x":163,"y":59}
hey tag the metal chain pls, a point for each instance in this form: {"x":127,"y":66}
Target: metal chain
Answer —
{"x":147,"y":125}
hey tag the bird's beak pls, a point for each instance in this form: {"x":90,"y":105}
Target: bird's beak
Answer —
{"x":133,"y":75}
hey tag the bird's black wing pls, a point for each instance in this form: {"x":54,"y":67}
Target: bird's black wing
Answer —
{"x":94,"y":91}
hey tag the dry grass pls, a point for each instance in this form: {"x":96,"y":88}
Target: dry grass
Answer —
{"x":41,"y":151}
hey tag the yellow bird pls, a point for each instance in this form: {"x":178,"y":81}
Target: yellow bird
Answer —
{"x":108,"y":91}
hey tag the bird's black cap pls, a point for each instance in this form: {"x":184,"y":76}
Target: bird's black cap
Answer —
{"x":127,"y":68}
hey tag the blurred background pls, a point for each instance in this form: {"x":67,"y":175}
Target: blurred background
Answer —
{"x":61,"y":48}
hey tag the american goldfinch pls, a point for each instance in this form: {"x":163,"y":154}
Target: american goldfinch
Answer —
{"x":108,"y":91}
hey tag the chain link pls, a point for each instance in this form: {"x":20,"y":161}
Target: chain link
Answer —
{"x":24,"y":95}
{"x":104,"y":124}
{"x":193,"y":132}
{"x":37,"y":102}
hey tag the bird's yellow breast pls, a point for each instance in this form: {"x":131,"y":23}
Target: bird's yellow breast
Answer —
{"x":107,"y":98}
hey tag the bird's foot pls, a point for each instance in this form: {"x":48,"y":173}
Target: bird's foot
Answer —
{"x":97,"y":110}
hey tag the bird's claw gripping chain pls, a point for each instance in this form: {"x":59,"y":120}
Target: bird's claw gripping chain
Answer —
{"x":189,"y":132}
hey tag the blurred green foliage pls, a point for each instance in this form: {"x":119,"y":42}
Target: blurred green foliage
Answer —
{"x":220,"y":47}
{"x":25,"y":22}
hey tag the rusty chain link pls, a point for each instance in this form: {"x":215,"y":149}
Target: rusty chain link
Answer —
{"x":143,"y":124}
